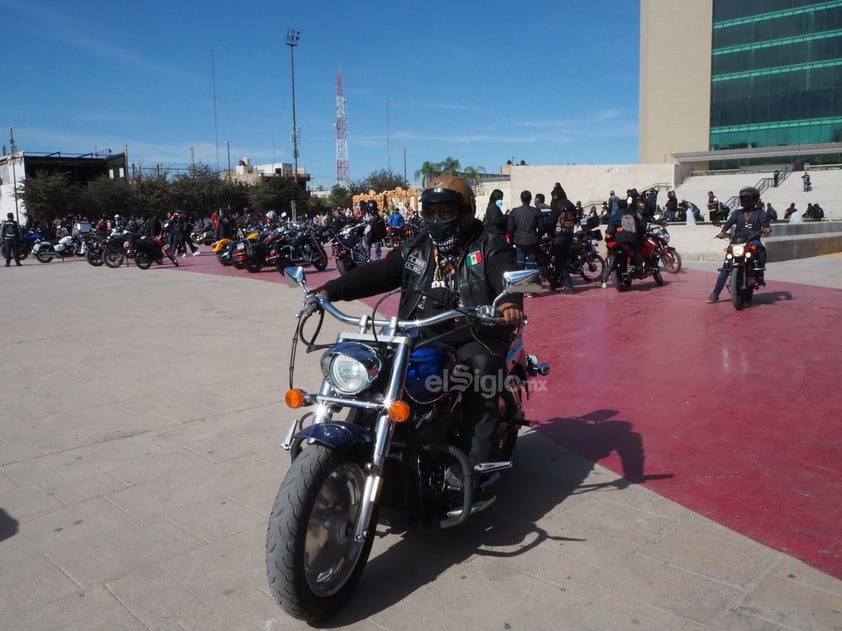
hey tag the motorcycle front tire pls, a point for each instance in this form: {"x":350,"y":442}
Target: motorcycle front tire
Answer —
{"x":113,"y":257}
{"x":671,"y":261}
{"x":738,"y":298}
{"x":312,"y":564}
{"x":94,"y":257}
{"x":593,"y":267}
{"x":143,"y":260}
{"x":659,"y":278}
{"x":224,"y":260}
{"x":320,"y":259}
{"x":253,"y":266}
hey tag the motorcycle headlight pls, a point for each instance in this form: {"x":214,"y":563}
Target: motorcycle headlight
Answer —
{"x":738,"y":250}
{"x":351,"y":367}
{"x":665,"y":236}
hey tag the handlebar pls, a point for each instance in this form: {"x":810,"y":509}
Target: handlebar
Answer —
{"x":486,"y":314}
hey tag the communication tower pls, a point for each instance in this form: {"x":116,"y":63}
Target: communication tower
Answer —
{"x":343,"y":176}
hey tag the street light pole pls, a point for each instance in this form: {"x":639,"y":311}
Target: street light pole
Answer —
{"x":292,"y":41}
{"x":14,"y":172}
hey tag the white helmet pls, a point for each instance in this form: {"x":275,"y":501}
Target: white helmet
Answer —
{"x":271,"y":215}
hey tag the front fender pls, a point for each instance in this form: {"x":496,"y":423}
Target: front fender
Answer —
{"x":335,"y":434}
{"x":219,"y":245}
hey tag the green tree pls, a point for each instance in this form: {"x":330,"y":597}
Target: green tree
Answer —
{"x":449,"y":166}
{"x":427,"y":171}
{"x":47,"y":196}
{"x":274,"y":193}
{"x":340,"y":197}
{"x":198,"y":191}
{"x":105,"y":196}
{"x":150,"y":195}
{"x":384,"y":180}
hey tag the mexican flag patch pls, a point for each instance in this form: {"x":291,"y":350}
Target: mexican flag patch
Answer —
{"x":474,"y":258}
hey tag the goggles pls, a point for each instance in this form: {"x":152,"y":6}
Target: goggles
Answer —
{"x":444,"y":211}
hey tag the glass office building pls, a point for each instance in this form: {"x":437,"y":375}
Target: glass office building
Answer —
{"x":776,"y":76}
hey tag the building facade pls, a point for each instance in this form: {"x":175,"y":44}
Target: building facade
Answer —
{"x":734,"y":83}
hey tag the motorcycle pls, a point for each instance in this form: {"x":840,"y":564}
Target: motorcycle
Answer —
{"x":300,"y":247}
{"x":658,"y":238}
{"x":348,"y":247}
{"x":203,"y":236}
{"x":395,"y":235}
{"x":146,"y":249}
{"x":621,"y":267}
{"x":28,"y":240}
{"x":113,"y":250}
{"x":743,"y":266}
{"x":70,"y":245}
{"x":400,"y":438}
{"x":584,"y":259}
{"x":224,"y":248}
{"x":254,"y":254}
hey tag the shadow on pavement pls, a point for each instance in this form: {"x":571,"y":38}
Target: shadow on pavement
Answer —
{"x":8,"y":525}
{"x":542,"y":479}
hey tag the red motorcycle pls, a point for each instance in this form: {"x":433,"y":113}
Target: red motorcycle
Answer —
{"x":146,"y":249}
{"x":621,"y":264}
{"x":394,"y":236}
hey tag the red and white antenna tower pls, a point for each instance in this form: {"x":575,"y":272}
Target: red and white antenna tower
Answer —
{"x":343,"y":176}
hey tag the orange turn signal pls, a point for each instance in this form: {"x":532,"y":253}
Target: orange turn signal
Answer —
{"x":294,"y":398}
{"x":398,"y":411}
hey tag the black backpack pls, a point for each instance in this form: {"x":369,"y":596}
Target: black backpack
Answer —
{"x":378,"y":229}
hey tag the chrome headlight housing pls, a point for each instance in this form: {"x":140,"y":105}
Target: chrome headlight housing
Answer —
{"x":738,"y":250}
{"x":351,"y":367}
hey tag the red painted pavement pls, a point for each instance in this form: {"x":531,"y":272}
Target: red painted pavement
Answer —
{"x":735,"y":415}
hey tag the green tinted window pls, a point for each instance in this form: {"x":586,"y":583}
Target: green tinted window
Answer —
{"x":776,"y":73}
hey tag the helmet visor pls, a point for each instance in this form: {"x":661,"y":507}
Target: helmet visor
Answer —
{"x":444,"y":211}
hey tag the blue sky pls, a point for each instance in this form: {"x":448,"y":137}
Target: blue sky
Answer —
{"x":552,"y":82}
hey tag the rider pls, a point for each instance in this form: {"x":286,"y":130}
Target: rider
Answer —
{"x":454,"y":262}
{"x":749,"y":219}
{"x":620,"y":230}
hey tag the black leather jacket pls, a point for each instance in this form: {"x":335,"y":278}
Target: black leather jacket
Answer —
{"x":479,"y":274}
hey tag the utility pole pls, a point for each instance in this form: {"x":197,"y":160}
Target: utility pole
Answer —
{"x":292,"y":41}
{"x":14,"y":172}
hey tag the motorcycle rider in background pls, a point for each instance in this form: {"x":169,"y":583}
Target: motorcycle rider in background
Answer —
{"x":560,"y":226}
{"x":749,"y":218}
{"x":455,"y":262}
{"x":634,"y":240}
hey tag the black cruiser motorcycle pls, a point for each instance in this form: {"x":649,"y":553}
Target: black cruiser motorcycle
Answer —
{"x":382,"y":432}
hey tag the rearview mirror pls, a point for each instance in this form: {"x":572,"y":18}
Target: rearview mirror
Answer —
{"x":295,"y":276}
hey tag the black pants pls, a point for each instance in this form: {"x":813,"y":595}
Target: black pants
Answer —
{"x":561,"y":260}
{"x":11,"y":248}
{"x":486,"y":362}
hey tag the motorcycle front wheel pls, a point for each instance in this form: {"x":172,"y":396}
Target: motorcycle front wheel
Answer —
{"x":113,"y":257}
{"x":253,"y":266}
{"x":659,"y":278}
{"x":320,"y":259}
{"x":94,"y":256}
{"x":312,"y":562}
{"x":222,"y":258}
{"x":143,"y":260}
{"x":738,"y":294}
{"x":593,"y":267}
{"x":671,"y":261}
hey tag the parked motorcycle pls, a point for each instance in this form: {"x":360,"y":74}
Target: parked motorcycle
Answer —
{"x":300,"y":247}
{"x":621,"y":267}
{"x":204,"y":235}
{"x":224,"y":248}
{"x":658,"y":238}
{"x":742,"y":263}
{"x":70,"y":245}
{"x":28,"y":240}
{"x":113,"y":250}
{"x":144,"y":250}
{"x":584,"y":258}
{"x":254,"y":254}
{"x":348,"y":247}
{"x":393,"y":450}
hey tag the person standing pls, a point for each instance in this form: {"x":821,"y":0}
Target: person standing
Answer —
{"x":522,"y":225}
{"x":10,"y":230}
{"x":562,"y":225}
{"x":495,"y":220}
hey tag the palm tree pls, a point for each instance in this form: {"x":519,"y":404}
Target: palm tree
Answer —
{"x":427,"y":171}
{"x":449,"y":166}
